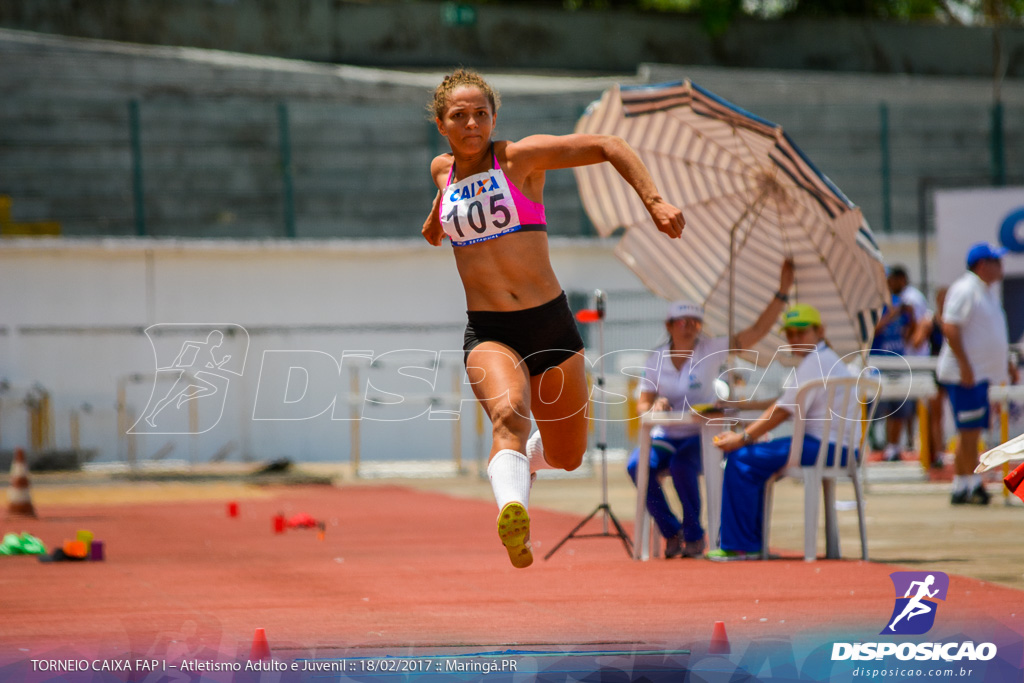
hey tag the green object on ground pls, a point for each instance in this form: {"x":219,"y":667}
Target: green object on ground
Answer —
{"x":720,"y":555}
{"x":10,"y":545}
{"x":25,"y":544}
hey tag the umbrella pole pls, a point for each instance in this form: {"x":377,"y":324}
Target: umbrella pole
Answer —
{"x":602,"y":446}
{"x":731,"y":357}
{"x":732,"y":284}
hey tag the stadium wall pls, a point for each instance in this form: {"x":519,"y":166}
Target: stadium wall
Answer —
{"x":440,"y":34}
{"x":115,"y":139}
{"x":76,"y":315}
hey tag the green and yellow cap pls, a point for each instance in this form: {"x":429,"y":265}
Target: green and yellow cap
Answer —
{"x":801,"y":315}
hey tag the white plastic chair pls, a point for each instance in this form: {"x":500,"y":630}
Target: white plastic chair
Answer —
{"x":823,"y":476}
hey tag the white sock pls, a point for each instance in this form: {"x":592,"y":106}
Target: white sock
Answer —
{"x":973,"y":481}
{"x":535,"y":452}
{"x":509,"y":472}
{"x":960,"y":483}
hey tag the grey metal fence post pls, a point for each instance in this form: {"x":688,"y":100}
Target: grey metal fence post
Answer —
{"x":285,"y":145}
{"x":138,"y":189}
{"x":886,"y":153}
{"x":998,"y":149}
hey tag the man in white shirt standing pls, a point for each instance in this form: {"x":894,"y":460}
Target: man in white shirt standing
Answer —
{"x":974,"y":355}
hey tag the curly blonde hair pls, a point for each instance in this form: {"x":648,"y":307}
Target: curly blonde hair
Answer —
{"x":455,"y":80}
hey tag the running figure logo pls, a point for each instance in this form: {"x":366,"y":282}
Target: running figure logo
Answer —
{"x":199,"y":371}
{"x":914,"y":613}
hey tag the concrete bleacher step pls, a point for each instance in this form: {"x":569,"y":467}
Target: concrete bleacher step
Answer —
{"x":211,"y":119}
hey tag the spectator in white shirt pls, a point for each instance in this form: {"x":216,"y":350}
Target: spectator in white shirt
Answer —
{"x":975,"y":355}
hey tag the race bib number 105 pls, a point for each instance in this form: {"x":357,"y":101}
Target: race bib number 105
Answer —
{"x":479,"y":208}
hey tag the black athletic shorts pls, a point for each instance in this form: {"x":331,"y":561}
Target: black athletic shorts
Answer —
{"x":544,"y":336}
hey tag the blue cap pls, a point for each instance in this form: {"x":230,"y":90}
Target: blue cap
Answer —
{"x":983,"y":250}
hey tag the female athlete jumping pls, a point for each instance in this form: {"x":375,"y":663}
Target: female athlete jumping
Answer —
{"x":523,"y":351}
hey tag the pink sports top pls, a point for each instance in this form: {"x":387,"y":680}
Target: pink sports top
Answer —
{"x":487,"y":205}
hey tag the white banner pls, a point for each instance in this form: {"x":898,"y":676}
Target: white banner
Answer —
{"x":963,"y":217}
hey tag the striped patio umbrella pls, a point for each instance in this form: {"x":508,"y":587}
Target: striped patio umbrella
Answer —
{"x":751,"y":199}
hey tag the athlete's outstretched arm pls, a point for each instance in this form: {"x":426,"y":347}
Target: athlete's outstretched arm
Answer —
{"x":432,"y":230}
{"x":549,"y":152}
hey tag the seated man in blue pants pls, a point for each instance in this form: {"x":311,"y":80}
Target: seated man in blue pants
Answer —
{"x":751,"y":464}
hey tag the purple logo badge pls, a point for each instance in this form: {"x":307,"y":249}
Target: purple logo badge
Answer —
{"x":916,"y":596}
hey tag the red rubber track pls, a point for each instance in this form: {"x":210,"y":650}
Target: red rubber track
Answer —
{"x":400,"y":569}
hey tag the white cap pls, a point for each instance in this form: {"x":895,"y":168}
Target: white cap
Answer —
{"x":685,"y":309}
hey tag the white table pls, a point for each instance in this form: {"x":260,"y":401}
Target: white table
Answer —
{"x":896,"y":363}
{"x":646,"y":538}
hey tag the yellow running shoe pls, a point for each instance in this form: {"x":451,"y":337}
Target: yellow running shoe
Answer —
{"x":514,"y":532}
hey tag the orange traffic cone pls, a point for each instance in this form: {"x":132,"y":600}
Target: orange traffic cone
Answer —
{"x":260,"y":647}
{"x":719,"y":641}
{"x":19,"y":500}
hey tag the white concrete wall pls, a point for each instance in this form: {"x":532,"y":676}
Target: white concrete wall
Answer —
{"x":73,"y":315}
{"x":73,"y":312}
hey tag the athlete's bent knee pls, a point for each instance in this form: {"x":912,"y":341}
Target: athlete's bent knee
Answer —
{"x":565,"y":460}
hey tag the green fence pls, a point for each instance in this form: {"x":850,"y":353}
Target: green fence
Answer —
{"x":177,"y":166}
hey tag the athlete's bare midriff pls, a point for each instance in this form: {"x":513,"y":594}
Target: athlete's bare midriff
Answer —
{"x":510,"y":273}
